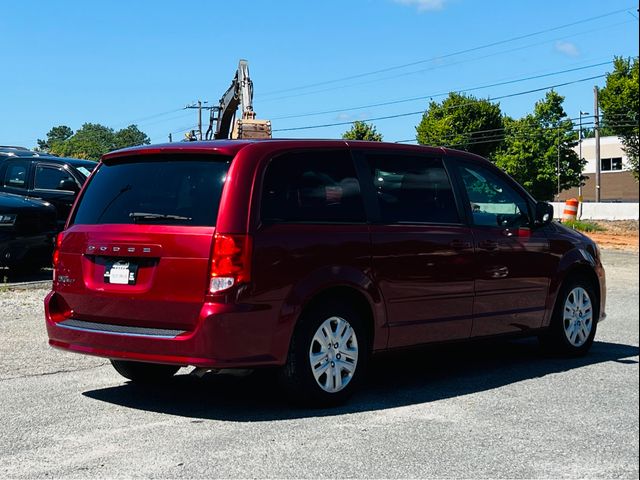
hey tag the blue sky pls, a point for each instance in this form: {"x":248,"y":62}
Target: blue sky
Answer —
{"x":117,"y":62}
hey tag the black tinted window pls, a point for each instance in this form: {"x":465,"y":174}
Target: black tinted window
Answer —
{"x":413,"y":190}
{"x":16,"y":175}
{"x":312,"y":187}
{"x":168,"y":189}
{"x":52,"y":178}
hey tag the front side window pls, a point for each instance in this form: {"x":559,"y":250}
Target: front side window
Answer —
{"x":493,"y":201}
{"x":312,"y":187}
{"x":413,"y":189}
{"x":52,"y":178}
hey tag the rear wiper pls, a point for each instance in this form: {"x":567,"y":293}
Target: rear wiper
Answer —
{"x":138,"y":216}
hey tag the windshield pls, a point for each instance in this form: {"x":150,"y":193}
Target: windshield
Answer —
{"x":162,"y":190}
{"x":85,"y":171}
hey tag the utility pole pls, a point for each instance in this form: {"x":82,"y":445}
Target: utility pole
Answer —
{"x":596,"y":118}
{"x":558,"y":162}
{"x":199,"y":105}
{"x":199,"y":120}
{"x":580,"y":196}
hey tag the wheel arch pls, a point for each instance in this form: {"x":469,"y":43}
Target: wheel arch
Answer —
{"x":577,"y":263}
{"x":335,"y":282}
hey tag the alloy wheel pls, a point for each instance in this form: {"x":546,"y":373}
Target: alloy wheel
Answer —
{"x":577,"y":318}
{"x":333,"y":354}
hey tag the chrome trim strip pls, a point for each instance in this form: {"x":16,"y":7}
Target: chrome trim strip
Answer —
{"x":122,"y":330}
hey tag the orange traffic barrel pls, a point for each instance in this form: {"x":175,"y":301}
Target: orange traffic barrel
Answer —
{"x":570,"y":209}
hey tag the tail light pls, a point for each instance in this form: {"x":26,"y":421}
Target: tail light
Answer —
{"x":56,"y":253}
{"x":230,"y":261}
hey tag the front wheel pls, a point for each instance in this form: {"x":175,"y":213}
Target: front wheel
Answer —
{"x":327,"y":357}
{"x":574,"y":321}
{"x":141,"y":372}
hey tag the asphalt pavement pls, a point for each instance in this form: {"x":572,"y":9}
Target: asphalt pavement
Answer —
{"x":483,"y":410}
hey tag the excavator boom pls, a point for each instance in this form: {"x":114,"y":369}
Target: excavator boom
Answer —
{"x":240,"y":93}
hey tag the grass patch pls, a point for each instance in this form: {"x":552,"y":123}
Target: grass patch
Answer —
{"x":583,"y":226}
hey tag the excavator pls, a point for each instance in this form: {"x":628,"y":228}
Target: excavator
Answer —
{"x":240,"y":93}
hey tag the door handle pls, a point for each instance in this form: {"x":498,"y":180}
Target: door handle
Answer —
{"x":460,"y":244}
{"x":498,"y":272}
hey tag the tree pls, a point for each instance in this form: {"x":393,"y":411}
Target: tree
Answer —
{"x":130,"y":137}
{"x":619,"y":101}
{"x":530,"y":149}
{"x":56,"y":134}
{"x":362,"y":131}
{"x":463,"y":122}
{"x":94,"y":140}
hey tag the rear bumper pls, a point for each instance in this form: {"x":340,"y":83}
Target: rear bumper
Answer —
{"x":225,"y":336}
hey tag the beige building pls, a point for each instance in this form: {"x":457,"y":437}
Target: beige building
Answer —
{"x":616,"y":181}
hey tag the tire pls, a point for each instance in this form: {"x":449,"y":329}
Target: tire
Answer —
{"x":144,"y":373}
{"x":339,"y":364}
{"x":575,"y":319}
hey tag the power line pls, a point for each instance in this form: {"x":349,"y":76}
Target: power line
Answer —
{"x":440,"y":57}
{"x":499,"y":134}
{"x":148,"y":117}
{"x":313,"y":92}
{"x":422,"y":111}
{"x":424,"y":97}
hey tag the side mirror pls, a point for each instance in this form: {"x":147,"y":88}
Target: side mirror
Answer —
{"x":69,"y":185}
{"x":544,"y":213}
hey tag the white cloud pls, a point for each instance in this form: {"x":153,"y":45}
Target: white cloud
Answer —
{"x":344,"y":117}
{"x":567,"y":48}
{"x":423,"y":5}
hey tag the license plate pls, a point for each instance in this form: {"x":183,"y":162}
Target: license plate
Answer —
{"x":121,"y":273}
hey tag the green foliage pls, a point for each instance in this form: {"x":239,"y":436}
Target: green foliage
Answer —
{"x":583,"y":226}
{"x":362,"y":131}
{"x":56,"y":134}
{"x":92,"y":140}
{"x":620,"y":103}
{"x":462,"y":122}
{"x":529,"y":152}
{"x":130,"y":136}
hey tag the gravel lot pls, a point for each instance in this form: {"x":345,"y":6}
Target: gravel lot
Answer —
{"x":483,"y":410}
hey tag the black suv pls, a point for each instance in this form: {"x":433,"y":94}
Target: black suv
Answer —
{"x":27,"y":230}
{"x":53,"y":179}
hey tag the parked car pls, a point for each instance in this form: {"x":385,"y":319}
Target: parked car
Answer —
{"x":13,"y":149}
{"x":56,"y":180}
{"x":310,"y":256}
{"x":27,"y":232}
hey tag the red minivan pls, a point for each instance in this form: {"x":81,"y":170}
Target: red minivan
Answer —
{"x":310,"y":256}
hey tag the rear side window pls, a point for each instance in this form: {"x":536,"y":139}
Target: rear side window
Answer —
{"x":413,"y":189}
{"x":312,"y":187}
{"x":160,"y":190}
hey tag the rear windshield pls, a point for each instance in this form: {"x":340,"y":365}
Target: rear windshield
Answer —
{"x":158,"y":190}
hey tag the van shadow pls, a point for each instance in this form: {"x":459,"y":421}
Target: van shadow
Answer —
{"x":394,"y":380}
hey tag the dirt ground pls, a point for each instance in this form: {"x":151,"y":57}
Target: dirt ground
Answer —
{"x":617,"y":234}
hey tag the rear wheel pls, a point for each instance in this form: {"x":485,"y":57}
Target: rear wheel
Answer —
{"x":575,"y":318}
{"x":328,"y":356}
{"x":140,"y":372}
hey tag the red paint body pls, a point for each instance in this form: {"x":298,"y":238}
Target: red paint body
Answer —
{"x":422,"y":283}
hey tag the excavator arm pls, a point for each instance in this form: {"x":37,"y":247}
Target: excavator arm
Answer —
{"x":240,"y":93}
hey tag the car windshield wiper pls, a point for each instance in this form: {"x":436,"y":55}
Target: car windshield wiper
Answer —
{"x":146,"y":216}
